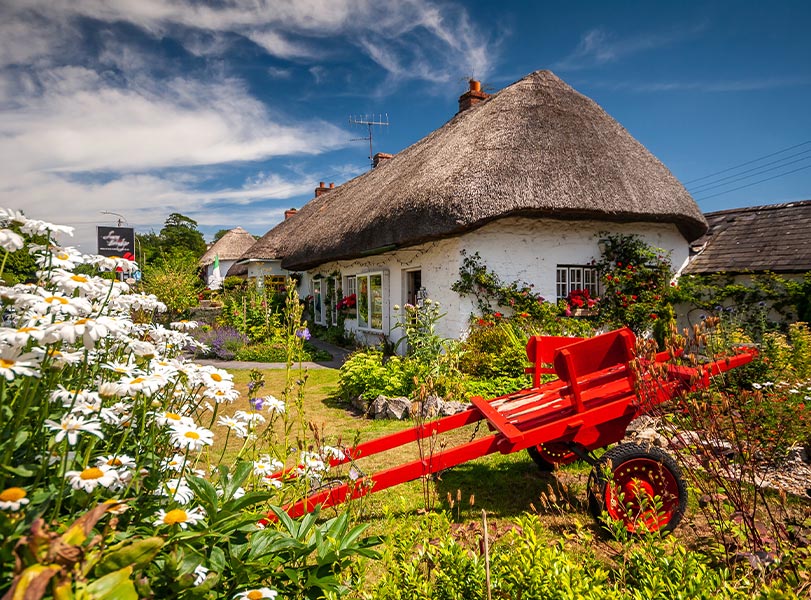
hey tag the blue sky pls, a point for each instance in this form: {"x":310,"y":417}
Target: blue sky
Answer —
{"x":232,"y":111}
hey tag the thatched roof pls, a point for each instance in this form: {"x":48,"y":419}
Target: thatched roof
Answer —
{"x":237,"y":270}
{"x":229,"y":247}
{"x":756,"y":239}
{"x":269,"y":246}
{"x":537,"y":148}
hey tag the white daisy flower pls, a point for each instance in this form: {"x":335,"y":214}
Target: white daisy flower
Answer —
{"x":173,"y":419}
{"x":191,"y":437}
{"x":250,"y":417}
{"x":184,"y":325}
{"x":177,"y":489}
{"x":175,"y":463}
{"x":71,"y":425}
{"x":266,"y":465}
{"x":71,"y":282}
{"x":257,"y":594}
{"x":332,"y":452}
{"x":200,"y":573}
{"x":12,"y":364}
{"x":37,"y":227}
{"x":92,"y":477}
{"x":275,"y":405}
{"x":220,"y":395}
{"x":10,"y":241}
{"x":235,"y":425}
{"x":11,"y":499}
{"x":9,"y":215}
{"x":179,"y":516}
{"x":116,"y":461}
{"x":216,"y":378}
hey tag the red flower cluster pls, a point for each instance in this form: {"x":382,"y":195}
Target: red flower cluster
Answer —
{"x":347,"y":302}
{"x":581,"y":298}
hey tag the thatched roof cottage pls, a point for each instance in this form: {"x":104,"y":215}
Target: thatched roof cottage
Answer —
{"x":261,"y":261}
{"x":527,"y":177}
{"x":223,"y":254}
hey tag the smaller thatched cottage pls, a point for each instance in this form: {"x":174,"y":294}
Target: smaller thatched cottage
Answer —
{"x":261,"y":262}
{"x":223,"y":254}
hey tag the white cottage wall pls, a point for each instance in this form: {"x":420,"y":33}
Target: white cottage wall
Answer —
{"x":516,"y":248}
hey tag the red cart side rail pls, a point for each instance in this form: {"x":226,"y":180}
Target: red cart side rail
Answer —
{"x":591,"y":405}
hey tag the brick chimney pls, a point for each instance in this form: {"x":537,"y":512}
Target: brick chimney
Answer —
{"x":289,"y":213}
{"x":473,"y":96}
{"x":322,"y":189}
{"x":380,"y":157}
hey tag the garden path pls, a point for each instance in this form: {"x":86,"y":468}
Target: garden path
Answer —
{"x":338,"y":357}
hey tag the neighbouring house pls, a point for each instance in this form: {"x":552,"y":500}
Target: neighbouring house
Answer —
{"x":756,"y":239}
{"x":529,"y":178}
{"x":222,"y":255}
{"x":745,"y":242}
{"x":261,"y":262}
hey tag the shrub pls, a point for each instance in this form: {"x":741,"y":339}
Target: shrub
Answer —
{"x":174,"y":281}
{"x":365,"y":373}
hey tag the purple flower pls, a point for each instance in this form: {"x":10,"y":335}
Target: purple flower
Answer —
{"x":303,"y":333}
{"x":257,"y":403}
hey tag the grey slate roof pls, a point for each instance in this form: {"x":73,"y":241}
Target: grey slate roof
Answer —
{"x":773,"y":238}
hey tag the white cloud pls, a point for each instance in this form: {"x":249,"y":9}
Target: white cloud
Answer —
{"x":720,"y":86}
{"x":598,"y":46}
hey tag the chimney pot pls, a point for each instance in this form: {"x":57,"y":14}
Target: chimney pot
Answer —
{"x":473,"y":96}
{"x":331,"y":185}
{"x":322,"y":189}
{"x":289,"y":213}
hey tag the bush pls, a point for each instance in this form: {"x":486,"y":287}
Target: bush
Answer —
{"x":365,"y":373}
{"x":174,"y":281}
{"x":494,"y":351}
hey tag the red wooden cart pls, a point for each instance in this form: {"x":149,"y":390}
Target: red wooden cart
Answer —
{"x":589,"y":406}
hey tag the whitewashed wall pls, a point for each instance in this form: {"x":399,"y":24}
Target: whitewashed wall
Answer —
{"x":262,"y":269}
{"x":516,"y":248}
{"x":214,"y":276}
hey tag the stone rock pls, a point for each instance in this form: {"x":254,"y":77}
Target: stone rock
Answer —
{"x":797,"y":454}
{"x":649,"y":436}
{"x":641,"y":423}
{"x":359,"y":403}
{"x":377,"y":409}
{"x":430,"y":407}
{"x":447,"y":409}
{"x":398,"y":408}
{"x":686,"y":438}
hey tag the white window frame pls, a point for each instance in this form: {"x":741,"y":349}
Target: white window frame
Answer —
{"x":367,"y":325}
{"x":576,"y":277}
{"x":318,"y":301}
{"x":351,"y":287}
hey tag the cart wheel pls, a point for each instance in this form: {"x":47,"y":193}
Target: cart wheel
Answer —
{"x":642,"y":487}
{"x":548,"y":456}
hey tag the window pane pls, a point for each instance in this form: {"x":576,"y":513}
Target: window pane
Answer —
{"x":562,"y":286}
{"x":317,"y":312}
{"x":363,"y":301}
{"x":575,"y":279}
{"x":376,"y":297}
{"x":351,"y":288}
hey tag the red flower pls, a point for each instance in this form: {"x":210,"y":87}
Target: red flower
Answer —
{"x":523,"y":315}
{"x":497,"y":315}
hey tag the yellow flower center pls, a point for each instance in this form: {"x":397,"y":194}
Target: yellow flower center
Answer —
{"x":63,"y":256}
{"x":58,"y":299}
{"x":26,"y":329}
{"x":80,"y":321}
{"x":192,"y":434}
{"x":216,"y":377}
{"x":115,"y":462}
{"x":173,"y":416}
{"x":255,"y":595}
{"x":79,"y":278}
{"x":12,"y":494}
{"x":6,"y":364}
{"x":92,"y":473}
{"x":173,"y":517}
{"x":137,"y":380}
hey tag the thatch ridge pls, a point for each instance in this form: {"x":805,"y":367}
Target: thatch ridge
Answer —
{"x":229,"y":247}
{"x":536,"y":148}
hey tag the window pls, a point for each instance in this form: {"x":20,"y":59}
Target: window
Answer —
{"x":573,"y":277}
{"x":351,"y":289}
{"x":276,"y":283}
{"x":335,"y":288}
{"x":318,"y":302}
{"x":370,"y":301}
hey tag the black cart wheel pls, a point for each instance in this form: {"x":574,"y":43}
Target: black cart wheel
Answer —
{"x":549,"y":456}
{"x":640,"y":486}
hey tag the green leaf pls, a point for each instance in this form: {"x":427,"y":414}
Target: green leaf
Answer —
{"x":136,"y":554}
{"x":113,"y":585}
{"x":205,"y":492}
{"x":22,"y":470}
{"x":216,"y":560}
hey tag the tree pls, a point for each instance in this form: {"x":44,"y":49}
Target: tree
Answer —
{"x":181,"y":236}
{"x":219,"y":234}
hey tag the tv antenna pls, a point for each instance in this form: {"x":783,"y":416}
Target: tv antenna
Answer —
{"x":381,"y":120}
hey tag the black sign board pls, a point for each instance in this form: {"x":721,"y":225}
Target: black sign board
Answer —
{"x":116,"y":241}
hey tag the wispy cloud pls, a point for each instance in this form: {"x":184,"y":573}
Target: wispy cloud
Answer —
{"x":598,"y":46}
{"x":722,"y":86}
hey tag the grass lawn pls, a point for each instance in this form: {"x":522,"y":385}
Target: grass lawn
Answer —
{"x":503,"y":485}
